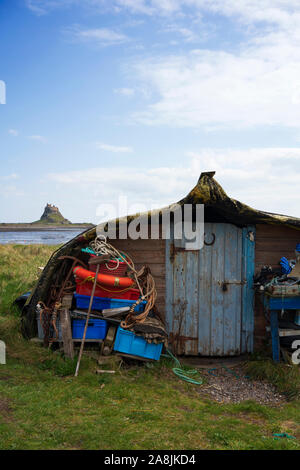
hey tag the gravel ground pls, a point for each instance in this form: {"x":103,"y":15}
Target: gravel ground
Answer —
{"x":230,"y":385}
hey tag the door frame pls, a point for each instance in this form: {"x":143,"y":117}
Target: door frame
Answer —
{"x":247,"y":291}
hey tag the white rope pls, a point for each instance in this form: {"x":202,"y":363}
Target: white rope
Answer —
{"x":102,"y":247}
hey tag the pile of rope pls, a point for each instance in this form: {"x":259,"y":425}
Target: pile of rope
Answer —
{"x":48,"y":318}
{"x":283,"y":281}
{"x":143,"y":280}
{"x":48,"y":313}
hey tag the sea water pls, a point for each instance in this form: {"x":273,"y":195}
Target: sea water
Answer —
{"x":46,"y":237}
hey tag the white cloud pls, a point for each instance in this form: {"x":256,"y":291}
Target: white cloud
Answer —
{"x":41,"y":7}
{"x":12,"y":176}
{"x":264,"y":178}
{"x":186,"y":34}
{"x":258,"y":85}
{"x":114,"y":148}
{"x":281,"y":12}
{"x":13,"y":132}
{"x":147,"y":188}
{"x":248,"y":11}
{"x":124,"y":91}
{"x":38,"y":138}
{"x":99,"y":36}
{"x":10,"y":191}
{"x":36,"y":7}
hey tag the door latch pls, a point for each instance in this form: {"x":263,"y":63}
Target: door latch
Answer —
{"x":224,"y":284}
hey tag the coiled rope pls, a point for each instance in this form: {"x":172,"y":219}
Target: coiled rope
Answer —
{"x":143,"y":279}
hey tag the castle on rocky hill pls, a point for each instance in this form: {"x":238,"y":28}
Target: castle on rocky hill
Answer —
{"x":52,"y":215}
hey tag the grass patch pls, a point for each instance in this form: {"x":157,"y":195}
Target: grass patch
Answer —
{"x":59,"y":365}
{"x":43,"y":406}
{"x":285,"y":377}
{"x":19,"y":271}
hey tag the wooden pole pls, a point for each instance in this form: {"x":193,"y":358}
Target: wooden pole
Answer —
{"x":87,"y":321}
{"x":66,"y":329}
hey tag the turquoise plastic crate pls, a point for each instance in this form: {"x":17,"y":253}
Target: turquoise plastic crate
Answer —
{"x":129,"y":343}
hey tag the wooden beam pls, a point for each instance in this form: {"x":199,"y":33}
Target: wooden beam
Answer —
{"x":66,"y":330}
{"x":286,"y":332}
{"x":275,"y":335}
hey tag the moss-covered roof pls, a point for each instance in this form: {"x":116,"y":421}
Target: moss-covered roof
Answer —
{"x":217,"y":203}
{"x":219,"y":207}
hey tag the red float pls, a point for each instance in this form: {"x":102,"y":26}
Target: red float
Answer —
{"x":103,"y":279}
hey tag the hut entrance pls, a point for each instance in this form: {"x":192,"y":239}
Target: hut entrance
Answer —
{"x":209,"y":295}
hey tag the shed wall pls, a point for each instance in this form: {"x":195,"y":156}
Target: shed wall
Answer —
{"x":150,"y":253}
{"x":272,"y":242}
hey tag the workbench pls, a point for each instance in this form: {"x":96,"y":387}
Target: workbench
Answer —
{"x":275,"y":305}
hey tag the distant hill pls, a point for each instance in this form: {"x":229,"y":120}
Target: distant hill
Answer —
{"x":52,"y":215}
{"x":51,"y":219}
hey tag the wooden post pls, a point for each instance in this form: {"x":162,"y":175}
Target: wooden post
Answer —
{"x":66,"y":330}
{"x":2,"y":352}
{"x":275,"y":335}
{"x":87,"y":319}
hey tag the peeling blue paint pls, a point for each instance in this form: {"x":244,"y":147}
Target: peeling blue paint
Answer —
{"x":209,"y":293}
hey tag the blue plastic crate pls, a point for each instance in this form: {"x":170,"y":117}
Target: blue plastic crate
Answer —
{"x":100,"y":303}
{"x":96,"y":329}
{"x":129,"y":343}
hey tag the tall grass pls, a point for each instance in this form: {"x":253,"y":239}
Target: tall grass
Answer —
{"x":18,"y":274}
{"x":285,"y":377}
{"x":19,"y":271}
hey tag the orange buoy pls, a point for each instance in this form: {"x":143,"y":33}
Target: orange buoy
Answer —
{"x":103,"y":279}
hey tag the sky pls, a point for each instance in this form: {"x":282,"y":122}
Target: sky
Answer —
{"x":126,"y":102}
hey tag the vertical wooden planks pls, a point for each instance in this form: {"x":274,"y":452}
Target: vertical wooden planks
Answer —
{"x":232,"y":296}
{"x":205,"y":295}
{"x":217,"y":278}
{"x":248,"y":265}
{"x":197,"y":304}
{"x":179,"y":297}
{"x":169,"y":287}
{"x":192,"y":302}
{"x":238,"y":317}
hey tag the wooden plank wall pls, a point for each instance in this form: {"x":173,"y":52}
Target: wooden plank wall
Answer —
{"x":150,"y":253}
{"x":272,"y":242}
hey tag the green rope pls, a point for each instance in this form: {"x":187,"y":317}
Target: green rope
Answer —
{"x":186,"y":375}
{"x":283,"y":434}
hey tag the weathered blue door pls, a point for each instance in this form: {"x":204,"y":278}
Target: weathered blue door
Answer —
{"x":209,"y":294}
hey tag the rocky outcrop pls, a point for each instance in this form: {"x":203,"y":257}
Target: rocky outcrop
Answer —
{"x":52,"y":215}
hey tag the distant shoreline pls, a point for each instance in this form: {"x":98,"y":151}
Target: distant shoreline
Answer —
{"x":43,"y":227}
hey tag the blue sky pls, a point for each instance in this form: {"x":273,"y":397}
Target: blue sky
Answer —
{"x":134,"y":98}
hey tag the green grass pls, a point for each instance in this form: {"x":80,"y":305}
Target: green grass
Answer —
{"x":43,"y":406}
{"x":285,"y":377}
